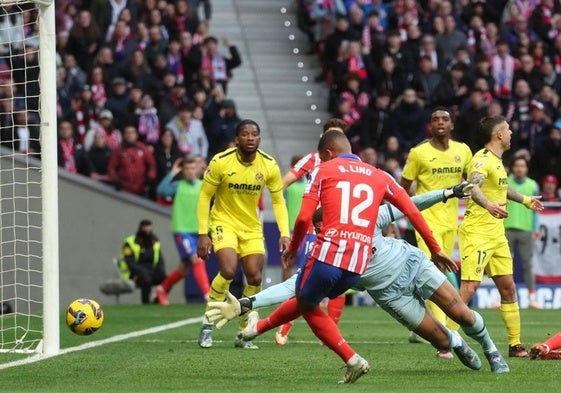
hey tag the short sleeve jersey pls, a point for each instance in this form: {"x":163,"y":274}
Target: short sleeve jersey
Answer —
{"x":239,"y":186}
{"x":435,"y":169}
{"x":306,"y":165}
{"x":350,"y":193}
{"x":477,"y":219}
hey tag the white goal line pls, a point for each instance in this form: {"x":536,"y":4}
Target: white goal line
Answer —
{"x":93,"y":344}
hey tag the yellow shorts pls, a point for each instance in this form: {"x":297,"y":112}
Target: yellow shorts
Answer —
{"x":483,"y":254}
{"x":245,"y":243}
{"x":445,"y":239}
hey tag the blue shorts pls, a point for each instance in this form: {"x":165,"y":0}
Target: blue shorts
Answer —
{"x":318,"y":280}
{"x":186,"y":244}
{"x":302,"y":254}
{"x":404,"y":298}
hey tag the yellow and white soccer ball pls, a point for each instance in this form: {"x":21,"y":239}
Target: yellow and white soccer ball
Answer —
{"x":84,"y":316}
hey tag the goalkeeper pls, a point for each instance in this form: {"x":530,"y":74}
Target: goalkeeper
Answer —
{"x":399,"y":278}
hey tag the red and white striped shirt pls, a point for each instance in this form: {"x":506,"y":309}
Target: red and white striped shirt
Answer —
{"x":306,"y":165}
{"x":350,"y":193}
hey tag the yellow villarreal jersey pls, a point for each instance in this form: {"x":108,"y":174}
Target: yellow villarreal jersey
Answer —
{"x":239,"y":186}
{"x":495,"y":186}
{"x":434,"y":169}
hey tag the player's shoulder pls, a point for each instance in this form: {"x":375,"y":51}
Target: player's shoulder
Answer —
{"x":459,"y":145}
{"x":265,"y":156}
{"x":420,"y":150}
{"x":310,"y":156}
{"x":482,"y":158}
{"x":484,"y":154}
{"x":424,"y":144}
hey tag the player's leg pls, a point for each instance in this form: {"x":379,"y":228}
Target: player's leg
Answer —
{"x":433,"y":308}
{"x":286,"y":312}
{"x":510,"y":314}
{"x":198,"y":268}
{"x":444,"y":339}
{"x":475,"y":254}
{"x":335,"y":307}
{"x":525,"y":251}
{"x":196,"y":264}
{"x":177,"y":274}
{"x":281,"y":336}
{"x":547,"y":349}
{"x":408,"y":308}
{"x":471,"y":323}
{"x":500,"y":269}
{"x":225,"y":244}
{"x":322,"y":281}
{"x":275,"y":294}
{"x":252,"y":257}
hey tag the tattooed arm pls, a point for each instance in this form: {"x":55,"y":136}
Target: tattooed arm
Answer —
{"x":496,"y":209}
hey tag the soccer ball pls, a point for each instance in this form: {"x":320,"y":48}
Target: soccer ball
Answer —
{"x":84,"y":316}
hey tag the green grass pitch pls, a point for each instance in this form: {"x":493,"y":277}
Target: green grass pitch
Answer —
{"x":171,"y":361}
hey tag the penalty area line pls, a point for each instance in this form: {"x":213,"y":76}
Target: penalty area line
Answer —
{"x":98,"y":343}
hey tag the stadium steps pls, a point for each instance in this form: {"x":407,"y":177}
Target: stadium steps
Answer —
{"x":268,"y":86}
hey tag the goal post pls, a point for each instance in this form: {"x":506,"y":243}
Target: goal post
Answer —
{"x":49,"y":179}
{"x":29,"y":245}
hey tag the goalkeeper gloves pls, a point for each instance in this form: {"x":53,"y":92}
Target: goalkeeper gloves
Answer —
{"x":462,"y":190}
{"x":222,"y":312}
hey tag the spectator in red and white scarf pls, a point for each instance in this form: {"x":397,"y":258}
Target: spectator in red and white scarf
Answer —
{"x":148,"y":122}
{"x":82,"y":113}
{"x":373,"y":34}
{"x":354,"y":93}
{"x":105,"y":124}
{"x":220,"y":67}
{"x":503,"y":66}
{"x":184,"y":19}
{"x":70,"y":152}
{"x":541,"y":18}
{"x":122,"y":44}
{"x":97,"y":86}
{"x":174,"y":61}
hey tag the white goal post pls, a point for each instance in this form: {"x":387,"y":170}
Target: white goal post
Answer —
{"x":29,"y":256}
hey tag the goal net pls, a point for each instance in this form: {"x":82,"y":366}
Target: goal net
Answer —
{"x":28,"y":271}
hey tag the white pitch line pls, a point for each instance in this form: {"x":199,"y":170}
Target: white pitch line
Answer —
{"x":93,"y":344}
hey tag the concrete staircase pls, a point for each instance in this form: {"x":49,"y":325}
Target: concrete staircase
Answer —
{"x":274,"y":85}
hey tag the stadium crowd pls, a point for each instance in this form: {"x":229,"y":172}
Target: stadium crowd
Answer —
{"x":387,"y":63}
{"x":139,"y":85}
{"x":143,"y":82}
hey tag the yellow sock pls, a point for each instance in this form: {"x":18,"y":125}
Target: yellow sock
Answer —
{"x":217,"y":288}
{"x":248,"y":291}
{"x":511,"y":318}
{"x":436,"y":311}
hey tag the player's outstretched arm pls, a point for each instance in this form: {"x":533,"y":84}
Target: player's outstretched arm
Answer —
{"x":531,"y":202}
{"x":424,"y":201}
{"x":460,"y":191}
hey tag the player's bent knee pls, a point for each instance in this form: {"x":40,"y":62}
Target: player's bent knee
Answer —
{"x":254,"y":280}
